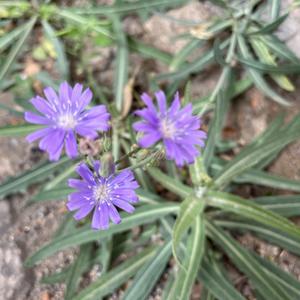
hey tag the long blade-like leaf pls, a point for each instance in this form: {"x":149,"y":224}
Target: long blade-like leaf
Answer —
{"x":246,"y":263}
{"x":143,"y":215}
{"x":16,"y":49}
{"x":110,"y":281}
{"x":146,"y":279}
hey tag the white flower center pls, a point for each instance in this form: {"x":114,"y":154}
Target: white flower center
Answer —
{"x":66,"y":121}
{"x":101,"y":193}
{"x":167,"y":128}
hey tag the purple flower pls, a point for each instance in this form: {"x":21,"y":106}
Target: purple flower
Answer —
{"x":63,"y":116}
{"x":176,"y":127}
{"x":102,"y":194}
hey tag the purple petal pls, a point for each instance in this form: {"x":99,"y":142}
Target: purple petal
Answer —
{"x":83,"y":212}
{"x":143,"y":127}
{"x":96,"y":218}
{"x":42,"y":106}
{"x":148,"y":116}
{"x":97,"y":165}
{"x":86,"y":132}
{"x":51,"y":141}
{"x":123,"y":205}
{"x":104,"y":216}
{"x":85,"y":99}
{"x":84,"y":171}
{"x":113,"y":214}
{"x":125,"y":175}
{"x":161,"y":101}
{"x":55,"y":155}
{"x":76,"y":92}
{"x":71,"y":145}
{"x":149,"y":139}
{"x":78,"y":184}
{"x":51,"y":96}
{"x":148,"y":101}
{"x":38,"y":134}
{"x":64,"y":92}
{"x":94,"y":112}
{"x":76,"y":203}
{"x":175,"y":106}
{"x":36,"y":119}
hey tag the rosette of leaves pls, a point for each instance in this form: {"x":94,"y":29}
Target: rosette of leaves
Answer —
{"x":241,"y":39}
{"x":194,"y":224}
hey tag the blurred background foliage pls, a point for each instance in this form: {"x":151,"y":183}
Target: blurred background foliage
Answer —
{"x":194,"y":213}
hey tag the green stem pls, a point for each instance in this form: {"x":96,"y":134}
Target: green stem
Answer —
{"x":224,"y":73}
{"x":135,"y":150}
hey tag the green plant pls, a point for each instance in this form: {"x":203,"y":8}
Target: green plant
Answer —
{"x":198,"y":228}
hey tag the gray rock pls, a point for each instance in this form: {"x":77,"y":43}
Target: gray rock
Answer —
{"x":5,"y":217}
{"x":11,"y":270}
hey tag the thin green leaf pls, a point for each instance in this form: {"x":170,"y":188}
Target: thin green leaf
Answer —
{"x":185,"y":278}
{"x":270,"y":180}
{"x":268,"y":68}
{"x":83,"y":21}
{"x":149,"y":51}
{"x":215,"y":128}
{"x":269,"y":28}
{"x":217,"y":284}
{"x":121,"y":67}
{"x":190,"y":208}
{"x":124,"y":8}
{"x":275,"y":9}
{"x":62,"y":177}
{"x":19,"y":130}
{"x":53,"y":194}
{"x":194,"y":67}
{"x":245,"y":262}
{"x":37,"y":174}
{"x":252,"y":211}
{"x":16,"y":49}
{"x":289,"y":282}
{"x":258,"y":80}
{"x":143,"y":215}
{"x":9,"y":37}
{"x":239,"y":87}
{"x":62,"y":61}
{"x":107,"y":283}
{"x":182,"y":55}
{"x":57,"y":277}
{"x":279,"y":48}
{"x":255,"y":153}
{"x":146,"y":279}
{"x":284,"y":205}
{"x":76,"y":271}
{"x":276,"y":237}
{"x":170,"y":183}
{"x":265,"y":56}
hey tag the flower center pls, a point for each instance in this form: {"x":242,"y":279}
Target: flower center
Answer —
{"x":66,"y":121}
{"x":167,"y":128}
{"x":101,"y":193}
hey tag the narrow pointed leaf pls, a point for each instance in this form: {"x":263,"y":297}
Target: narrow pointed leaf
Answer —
{"x":148,"y":276}
{"x":143,"y":215}
{"x":252,"y":211}
{"x":37,"y":174}
{"x":246,"y":263}
{"x":217,"y":284}
{"x":185,"y":277}
{"x":9,"y":60}
{"x":107,"y":283}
